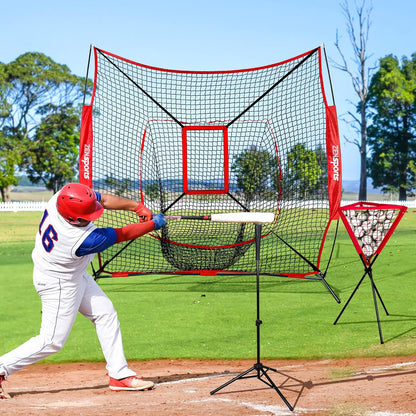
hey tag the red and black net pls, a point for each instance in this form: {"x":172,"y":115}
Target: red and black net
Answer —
{"x":370,"y":225}
{"x":204,"y":142}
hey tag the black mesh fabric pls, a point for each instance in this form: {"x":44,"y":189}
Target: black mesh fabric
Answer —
{"x":257,"y":143}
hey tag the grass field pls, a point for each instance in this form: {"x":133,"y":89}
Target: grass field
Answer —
{"x":173,"y":316}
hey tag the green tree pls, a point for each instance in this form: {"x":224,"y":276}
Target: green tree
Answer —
{"x":51,"y":157}
{"x":358,"y":25}
{"x":9,"y":156}
{"x":303,"y":171}
{"x":392,"y":135}
{"x":256,"y":172}
{"x":36,"y":81}
{"x":32,"y":88}
{"x":119,"y":186}
{"x":153,"y":191}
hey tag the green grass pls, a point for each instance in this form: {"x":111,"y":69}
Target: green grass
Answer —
{"x":175,"y":316}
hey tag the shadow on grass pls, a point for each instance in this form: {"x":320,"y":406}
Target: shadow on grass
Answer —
{"x":218,"y":284}
{"x":400,"y":318}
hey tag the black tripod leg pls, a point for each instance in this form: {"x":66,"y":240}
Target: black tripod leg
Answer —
{"x":373,"y":288}
{"x":273,"y":385}
{"x":330,"y":289}
{"x":381,"y":300}
{"x":349,"y":299}
{"x":242,"y":375}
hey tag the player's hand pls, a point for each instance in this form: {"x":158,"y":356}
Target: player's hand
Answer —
{"x":159,"y":221}
{"x":144,"y":213}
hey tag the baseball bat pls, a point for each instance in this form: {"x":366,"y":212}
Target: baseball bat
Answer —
{"x":255,"y":217}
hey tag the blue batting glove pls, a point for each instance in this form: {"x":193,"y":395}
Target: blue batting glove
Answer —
{"x":159,"y":221}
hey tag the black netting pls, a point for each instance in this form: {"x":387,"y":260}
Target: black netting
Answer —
{"x":199,"y":143}
{"x":370,"y":225}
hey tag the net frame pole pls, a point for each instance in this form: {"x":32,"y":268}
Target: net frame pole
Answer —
{"x":321,"y":276}
{"x":86,"y":76}
{"x":259,"y":369}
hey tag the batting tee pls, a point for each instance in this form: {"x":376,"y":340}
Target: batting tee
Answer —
{"x":203,"y":142}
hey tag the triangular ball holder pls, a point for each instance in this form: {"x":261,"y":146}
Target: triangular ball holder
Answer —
{"x":370,"y":225}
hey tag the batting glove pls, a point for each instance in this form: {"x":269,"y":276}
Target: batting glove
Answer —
{"x":159,"y":221}
{"x":144,"y":213}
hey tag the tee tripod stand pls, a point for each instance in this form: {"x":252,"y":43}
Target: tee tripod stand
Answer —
{"x":259,"y":369}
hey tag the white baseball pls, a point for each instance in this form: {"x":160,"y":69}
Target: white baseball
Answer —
{"x":362,"y":216}
{"x":377,"y":236}
{"x":380,"y":213}
{"x":367,"y":240}
{"x":381,"y":218}
{"x":379,"y":227}
{"x":368,"y":250}
{"x":359,"y":232}
{"x":366,"y":226}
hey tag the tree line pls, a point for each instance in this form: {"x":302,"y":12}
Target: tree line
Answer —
{"x":40,"y":112}
{"x":385,"y":114}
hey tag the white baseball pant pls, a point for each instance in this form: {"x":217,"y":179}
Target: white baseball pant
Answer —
{"x":61,"y":301}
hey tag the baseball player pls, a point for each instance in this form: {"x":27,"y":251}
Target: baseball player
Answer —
{"x":66,"y":243}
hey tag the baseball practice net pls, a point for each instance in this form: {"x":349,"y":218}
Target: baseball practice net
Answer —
{"x":195,"y":143}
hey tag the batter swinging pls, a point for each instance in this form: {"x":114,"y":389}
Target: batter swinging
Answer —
{"x":66,"y":243}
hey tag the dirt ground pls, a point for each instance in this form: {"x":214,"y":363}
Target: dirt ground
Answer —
{"x":370,"y":387}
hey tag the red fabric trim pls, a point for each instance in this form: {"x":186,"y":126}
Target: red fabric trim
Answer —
{"x":333,"y":150}
{"x":85,"y":147}
{"x":141,"y":164}
{"x":206,"y":247}
{"x":364,"y":205}
{"x":204,"y":72}
{"x":212,"y":273}
{"x":120,"y":274}
{"x":322,"y":244}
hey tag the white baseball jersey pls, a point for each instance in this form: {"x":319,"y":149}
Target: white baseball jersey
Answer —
{"x":56,"y":244}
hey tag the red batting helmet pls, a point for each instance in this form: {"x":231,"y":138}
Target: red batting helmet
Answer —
{"x":78,"y":201}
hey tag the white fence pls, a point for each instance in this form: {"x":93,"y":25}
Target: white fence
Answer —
{"x":17,"y":206}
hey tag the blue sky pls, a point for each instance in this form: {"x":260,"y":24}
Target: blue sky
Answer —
{"x":206,"y":35}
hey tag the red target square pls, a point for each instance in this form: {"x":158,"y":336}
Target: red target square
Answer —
{"x":205,"y":159}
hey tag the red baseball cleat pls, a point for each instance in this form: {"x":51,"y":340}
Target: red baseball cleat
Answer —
{"x":130,"y":383}
{"x":3,"y":394}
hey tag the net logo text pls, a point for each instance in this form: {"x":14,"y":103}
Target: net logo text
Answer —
{"x":335,"y":163}
{"x":86,"y":161}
